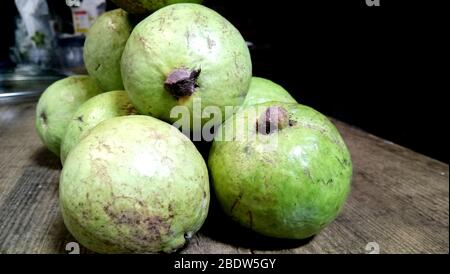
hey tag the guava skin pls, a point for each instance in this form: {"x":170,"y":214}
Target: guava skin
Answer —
{"x":291,"y":190}
{"x":95,"y":110}
{"x":263,"y":90}
{"x":57,"y":105}
{"x":134,"y":184}
{"x":142,"y":7}
{"x":104,"y":46}
{"x":186,"y":37}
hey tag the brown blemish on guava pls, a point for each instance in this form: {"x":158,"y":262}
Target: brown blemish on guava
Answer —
{"x":144,"y":43}
{"x":188,"y":38}
{"x":236,"y":63}
{"x":98,"y":67}
{"x":153,"y":226}
{"x":171,"y":212}
{"x":250,"y":219}
{"x":344,"y":162}
{"x":182,"y":82}
{"x":80,"y":119}
{"x":101,"y":172}
{"x":129,"y":109}
{"x":156,"y":226}
{"x":200,"y":19}
{"x":43,"y":116}
{"x":162,"y":22}
{"x":308,"y":174}
{"x":236,"y":202}
{"x":211,"y":43}
{"x":105,"y":147}
{"x":323,"y":131}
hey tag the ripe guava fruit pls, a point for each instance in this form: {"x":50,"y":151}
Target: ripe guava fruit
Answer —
{"x":104,"y":46}
{"x":134,"y":184}
{"x":57,"y":105}
{"x":142,"y":7}
{"x":95,"y":110}
{"x":262,"y":91}
{"x":183,"y":52}
{"x":288,"y":175}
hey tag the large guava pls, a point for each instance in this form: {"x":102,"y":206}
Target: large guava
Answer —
{"x":104,"y":46}
{"x":57,"y":105}
{"x":143,"y":7}
{"x":95,"y":110}
{"x":284,"y":171}
{"x":263,"y":90}
{"x":181,"y":53}
{"x":134,"y":184}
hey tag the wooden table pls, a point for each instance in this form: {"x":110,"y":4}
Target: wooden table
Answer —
{"x":398,"y":204}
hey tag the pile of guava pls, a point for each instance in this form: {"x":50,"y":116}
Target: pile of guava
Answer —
{"x":160,"y":74}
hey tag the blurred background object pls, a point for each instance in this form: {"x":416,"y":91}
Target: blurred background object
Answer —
{"x":372,"y":67}
{"x":42,"y":41}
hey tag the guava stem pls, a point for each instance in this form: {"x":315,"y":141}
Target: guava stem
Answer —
{"x":274,"y":118}
{"x":182,"y":82}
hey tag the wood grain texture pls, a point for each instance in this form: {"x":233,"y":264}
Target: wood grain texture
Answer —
{"x":399,"y":200}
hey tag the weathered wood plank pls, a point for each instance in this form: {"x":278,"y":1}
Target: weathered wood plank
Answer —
{"x":399,"y":200}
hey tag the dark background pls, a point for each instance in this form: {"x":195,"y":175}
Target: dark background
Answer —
{"x":378,"y":68}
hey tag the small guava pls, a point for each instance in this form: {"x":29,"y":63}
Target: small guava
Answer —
{"x":263,"y":90}
{"x":284,"y":170}
{"x":95,"y":110}
{"x":143,"y":7}
{"x":104,"y":46}
{"x":134,"y":184}
{"x":181,"y":53}
{"x":57,"y":105}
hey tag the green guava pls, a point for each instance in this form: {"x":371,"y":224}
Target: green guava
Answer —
{"x":181,"y":53}
{"x":134,"y":184}
{"x":57,"y":105}
{"x":95,"y":110}
{"x":103,"y":48}
{"x":147,"y":6}
{"x":262,"y":90}
{"x":284,"y":171}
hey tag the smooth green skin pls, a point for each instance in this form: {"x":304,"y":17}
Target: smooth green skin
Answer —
{"x":291,"y":190}
{"x":134,"y":184}
{"x":95,"y":110}
{"x":57,"y":105}
{"x":191,"y":36}
{"x":263,"y":90}
{"x":104,"y":46}
{"x":148,"y":6}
